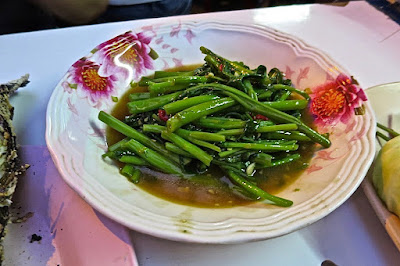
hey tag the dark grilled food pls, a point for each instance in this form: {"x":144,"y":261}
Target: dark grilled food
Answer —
{"x":10,"y":165}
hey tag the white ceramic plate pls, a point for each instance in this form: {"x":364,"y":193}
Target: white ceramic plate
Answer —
{"x":76,"y":138}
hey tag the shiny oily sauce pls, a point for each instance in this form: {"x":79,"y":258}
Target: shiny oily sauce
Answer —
{"x":212,"y":189}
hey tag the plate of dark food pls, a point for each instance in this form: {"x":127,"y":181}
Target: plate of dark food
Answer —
{"x":210,"y":132}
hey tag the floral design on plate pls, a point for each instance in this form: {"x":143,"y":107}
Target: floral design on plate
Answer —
{"x":84,"y":78}
{"x":127,"y":54}
{"x":115,"y":63}
{"x":336,"y":101}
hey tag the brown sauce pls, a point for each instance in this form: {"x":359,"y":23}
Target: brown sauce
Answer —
{"x":211,"y":189}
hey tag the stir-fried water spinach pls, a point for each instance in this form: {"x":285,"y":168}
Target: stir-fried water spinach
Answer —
{"x":223,"y":114}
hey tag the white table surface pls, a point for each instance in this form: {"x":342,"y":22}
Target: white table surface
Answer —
{"x":363,"y":40}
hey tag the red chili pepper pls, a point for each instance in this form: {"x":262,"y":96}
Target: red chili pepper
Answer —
{"x":221,"y":66}
{"x":163,"y":115}
{"x":260,"y":117}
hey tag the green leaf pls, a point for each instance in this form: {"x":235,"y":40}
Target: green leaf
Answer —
{"x":73,"y":86}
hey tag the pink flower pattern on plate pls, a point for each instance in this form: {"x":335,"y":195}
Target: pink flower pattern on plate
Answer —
{"x":325,"y":155}
{"x":124,"y":53}
{"x":303,"y":74}
{"x":289,"y":72}
{"x":335,"y":101}
{"x":313,"y":168}
{"x":175,"y":30}
{"x":84,"y":78}
{"x":332,"y":102}
{"x":189,"y":35}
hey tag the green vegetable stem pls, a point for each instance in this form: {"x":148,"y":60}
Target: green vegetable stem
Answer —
{"x":222,"y":115}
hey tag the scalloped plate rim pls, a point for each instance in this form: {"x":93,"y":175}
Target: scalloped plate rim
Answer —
{"x":238,"y":237}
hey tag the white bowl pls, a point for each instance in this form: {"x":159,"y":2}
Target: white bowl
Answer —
{"x":384,"y":100}
{"x":76,"y":138}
